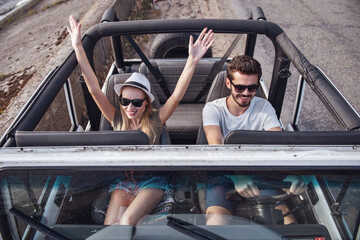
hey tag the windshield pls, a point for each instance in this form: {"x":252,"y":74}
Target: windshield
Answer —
{"x":76,"y":204}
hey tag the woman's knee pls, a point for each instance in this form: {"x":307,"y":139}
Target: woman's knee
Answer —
{"x":128,"y":219}
{"x":122,"y":197}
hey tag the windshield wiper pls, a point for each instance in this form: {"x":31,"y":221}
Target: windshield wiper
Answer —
{"x":191,"y":230}
{"x":52,"y":234}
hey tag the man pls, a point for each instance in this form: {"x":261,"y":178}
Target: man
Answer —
{"x":240,"y":110}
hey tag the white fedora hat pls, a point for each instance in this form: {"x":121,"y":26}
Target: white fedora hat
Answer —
{"x":136,"y":80}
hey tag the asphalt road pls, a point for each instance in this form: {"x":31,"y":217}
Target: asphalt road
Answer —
{"x":327,"y":32}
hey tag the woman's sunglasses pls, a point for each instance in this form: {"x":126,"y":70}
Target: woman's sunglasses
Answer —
{"x":240,"y":88}
{"x":136,"y":102}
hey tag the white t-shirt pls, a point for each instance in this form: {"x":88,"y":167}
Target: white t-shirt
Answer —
{"x":260,"y":115}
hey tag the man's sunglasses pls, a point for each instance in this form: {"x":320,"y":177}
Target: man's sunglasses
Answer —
{"x":136,"y":102}
{"x":240,"y":88}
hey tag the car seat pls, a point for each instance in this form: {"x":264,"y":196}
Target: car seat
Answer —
{"x":217,"y":90}
{"x":183,"y":124}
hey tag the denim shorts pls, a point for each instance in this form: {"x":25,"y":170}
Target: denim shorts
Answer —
{"x":135,"y":187}
{"x":215,"y":195}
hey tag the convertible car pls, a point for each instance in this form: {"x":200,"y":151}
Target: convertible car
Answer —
{"x":55,"y":180}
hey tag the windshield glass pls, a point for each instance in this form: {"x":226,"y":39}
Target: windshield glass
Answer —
{"x":95,"y":204}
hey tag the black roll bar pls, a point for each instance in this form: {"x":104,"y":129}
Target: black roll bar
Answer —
{"x":110,"y":16}
{"x":341,"y":110}
{"x":256,"y":14}
{"x":331,"y":97}
{"x":239,"y":26}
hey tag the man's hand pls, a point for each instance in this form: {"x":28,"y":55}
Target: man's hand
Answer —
{"x":245,"y":186}
{"x":297,"y":187}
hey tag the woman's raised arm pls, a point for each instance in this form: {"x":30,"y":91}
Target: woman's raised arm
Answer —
{"x":91,"y":80}
{"x":196,"y":52}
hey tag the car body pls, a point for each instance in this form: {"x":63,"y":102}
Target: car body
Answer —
{"x":54,"y":184}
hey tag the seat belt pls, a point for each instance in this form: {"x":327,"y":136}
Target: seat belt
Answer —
{"x":336,"y":205}
{"x":155,"y":72}
{"x":216,"y":69}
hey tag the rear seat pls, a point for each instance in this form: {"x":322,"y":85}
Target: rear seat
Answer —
{"x":184,"y":124}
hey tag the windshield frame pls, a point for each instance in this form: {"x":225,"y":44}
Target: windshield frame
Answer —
{"x":204,"y":156}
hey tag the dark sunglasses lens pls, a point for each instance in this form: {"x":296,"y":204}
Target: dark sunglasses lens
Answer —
{"x":137,"y":102}
{"x":124,"y":101}
{"x":253,"y":88}
{"x":240,"y":88}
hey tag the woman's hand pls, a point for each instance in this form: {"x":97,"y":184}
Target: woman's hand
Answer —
{"x":75,"y":32}
{"x":202,"y":44}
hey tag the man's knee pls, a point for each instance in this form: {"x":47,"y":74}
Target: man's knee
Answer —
{"x":216,"y":215}
{"x":218,"y":210}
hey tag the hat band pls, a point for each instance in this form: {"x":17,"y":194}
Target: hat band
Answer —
{"x":137,"y":84}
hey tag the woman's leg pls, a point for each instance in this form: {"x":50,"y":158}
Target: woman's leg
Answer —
{"x":119,"y":201}
{"x":143,"y":204}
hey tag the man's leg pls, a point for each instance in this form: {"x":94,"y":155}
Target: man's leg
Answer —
{"x":280,"y":206}
{"x":219,"y":210}
{"x":285,"y":209}
{"x":216,"y":215}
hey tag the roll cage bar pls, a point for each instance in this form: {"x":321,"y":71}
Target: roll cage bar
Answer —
{"x":285,"y":52}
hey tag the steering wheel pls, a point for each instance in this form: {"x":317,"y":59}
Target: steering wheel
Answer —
{"x":263,"y":207}
{"x":233,"y":195}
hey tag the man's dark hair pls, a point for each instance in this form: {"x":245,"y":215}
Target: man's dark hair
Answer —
{"x":245,"y":65}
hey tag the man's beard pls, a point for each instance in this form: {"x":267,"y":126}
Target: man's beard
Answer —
{"x":243,"y":105}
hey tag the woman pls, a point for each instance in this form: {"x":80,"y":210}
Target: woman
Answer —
{"x":133,"y":198}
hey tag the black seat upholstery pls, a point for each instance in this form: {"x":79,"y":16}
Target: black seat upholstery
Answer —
{"x":171,"y":71}
{"x":289,"y":137}
{"x":218,"y":90}
{"x":95,"y":138}
{"x":113,"y":98}
{"x":183,"y":125}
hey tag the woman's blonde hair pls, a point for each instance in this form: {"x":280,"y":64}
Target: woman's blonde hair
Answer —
{"x":147,"y":124}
